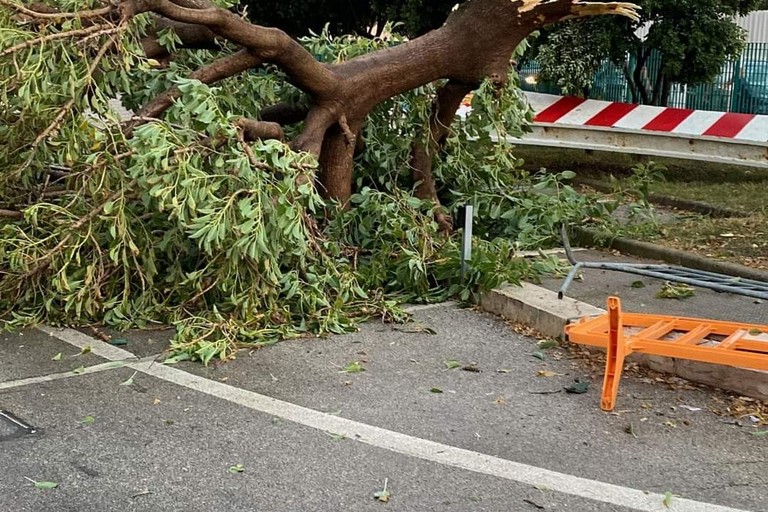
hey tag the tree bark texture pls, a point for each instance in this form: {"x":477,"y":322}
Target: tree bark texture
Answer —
{"x":475,"y":43}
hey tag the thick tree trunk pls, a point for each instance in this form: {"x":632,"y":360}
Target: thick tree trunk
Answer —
{"x":337,"y":161}
{"x":476,"y":42}
{"x":444,"y":108}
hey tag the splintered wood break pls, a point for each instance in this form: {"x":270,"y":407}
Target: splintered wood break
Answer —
{"x":529,"y":5}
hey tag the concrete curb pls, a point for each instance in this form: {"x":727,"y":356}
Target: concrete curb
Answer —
{"x":593,"y":238}
{"x":541,"y":309}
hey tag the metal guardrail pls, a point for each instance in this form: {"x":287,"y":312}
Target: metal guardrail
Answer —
{"x":658,"y":144}
{"x":741,"y":85}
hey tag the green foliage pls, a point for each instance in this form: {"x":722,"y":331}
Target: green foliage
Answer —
{"x":637,"y":189}
{"x":185,"y":224}
{"x":693,"y":37}
{"x":570,"y":57}
{"x":353,"y":16}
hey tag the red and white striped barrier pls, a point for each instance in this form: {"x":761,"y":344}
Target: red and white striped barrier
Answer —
{"x":558,"y":110}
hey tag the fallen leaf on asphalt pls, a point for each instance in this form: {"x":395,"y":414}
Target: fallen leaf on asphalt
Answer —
{"x":578,"y":387}
{"x":129,"y":381}
{"x":436,"y":390}
{"x":629,"y":429}
{"x":337,"y":437}
{"x":353,"y":367}
{"x":534,"y":504}
{"x":452,"y":364}
{"x":638,"y":284}
{"x":676,"y":291}
{"x":539,"y":355}
{"x":471,"y":367}
{"x":552,"y":392}
{"x":416,"y":329}
{"x":548,"y":343}
{"x":85,"y":350}
{"x":760,"y":433}
{"x":118,"y":342}
{"x":547,"y":373}
{"x":156,"y":401}
{"x":237,"y":468}
{"x":43,"y":484}
{"x":668,"y":497}
{"x":384,"y":494}
{"x":57,"y":357}
{"x":88,"y":420}
{"x":503,"y":370}
{"x":46,"y":485}
{"x":79,"y":370}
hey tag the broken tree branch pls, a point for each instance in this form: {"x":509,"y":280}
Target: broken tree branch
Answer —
{"x":55,"y":15}
{"x":269,"y":44}
{"x":259,"y":130}
{"x":224,"y":67}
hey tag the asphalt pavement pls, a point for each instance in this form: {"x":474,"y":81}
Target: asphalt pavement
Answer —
{"x":474,"y":417}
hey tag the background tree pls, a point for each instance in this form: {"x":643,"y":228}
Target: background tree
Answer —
{"x":693,"y":38}
{"x":262,"y":187}
{"x":298,"y":17}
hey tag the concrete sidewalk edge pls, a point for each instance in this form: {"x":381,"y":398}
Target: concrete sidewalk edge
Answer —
{"x":541,"y":309}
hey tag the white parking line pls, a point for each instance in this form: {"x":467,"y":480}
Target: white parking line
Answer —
{"x":404,"y":444}
{"x":111,"y":365}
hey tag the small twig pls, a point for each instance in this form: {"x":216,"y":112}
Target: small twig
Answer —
{"x":104,"y":32}
{"x":257,"y":130}
{"x":53,"y":37}
{"x":249,"y":152}
{"x":46,"y":259}
{"x":58,"y":15}
{"x":351,"y":138}
{"x":69,"y":104}
{"x":10,"y":214}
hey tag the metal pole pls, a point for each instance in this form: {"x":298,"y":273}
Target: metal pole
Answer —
{"x":466,"y":242}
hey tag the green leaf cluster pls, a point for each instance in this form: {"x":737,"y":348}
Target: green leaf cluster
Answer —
{"x":184,"y":224}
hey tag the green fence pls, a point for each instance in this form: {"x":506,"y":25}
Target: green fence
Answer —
{"x":741,"y":86}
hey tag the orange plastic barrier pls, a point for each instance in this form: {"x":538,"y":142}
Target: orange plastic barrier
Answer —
{"x":709,"y":341}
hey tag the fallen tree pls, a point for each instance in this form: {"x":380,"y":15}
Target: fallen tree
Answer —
{"x":257,"y":190}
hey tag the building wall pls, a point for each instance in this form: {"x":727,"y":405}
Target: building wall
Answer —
{"x":756,"y":25}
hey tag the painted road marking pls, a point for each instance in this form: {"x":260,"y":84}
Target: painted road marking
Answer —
{"x":111,"y":365}
{"x":407,"y":445}
{"x":80,"y":340}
